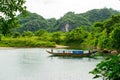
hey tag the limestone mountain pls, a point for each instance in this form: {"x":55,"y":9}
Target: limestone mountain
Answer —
{"x":33,"y":22}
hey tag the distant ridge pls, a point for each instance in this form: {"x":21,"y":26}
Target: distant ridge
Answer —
{"x":34,"y":22}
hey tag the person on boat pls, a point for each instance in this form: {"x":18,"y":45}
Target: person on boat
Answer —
{"x":89,"y":50}
{"x":51,"y":49}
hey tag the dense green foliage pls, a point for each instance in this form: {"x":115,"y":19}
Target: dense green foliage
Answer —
{"x":56,"y":37}
{"x":7,"y":25}
{"x":16,"y":35}
{"x":76,"y":36}
{"x":108,"y":38}
{"x":115,"y":37}
{"x":109,"y":69}
{"x":33,"y":21}
{"x":8,"y":10}
{"x":106,"y":33}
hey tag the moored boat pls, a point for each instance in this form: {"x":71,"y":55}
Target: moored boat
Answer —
{"x":74,"y":53}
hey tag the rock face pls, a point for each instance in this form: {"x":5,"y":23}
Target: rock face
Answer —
{"x":67,"y":27}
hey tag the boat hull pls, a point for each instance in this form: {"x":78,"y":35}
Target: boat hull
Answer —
{"x":69,"y":54}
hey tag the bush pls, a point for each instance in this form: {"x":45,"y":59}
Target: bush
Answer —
{"x":16,"y":35}
{"x":28,"y":34}
{"x":40,"y":32}
{"x":109,"y":69}
{"x":25,"y":42}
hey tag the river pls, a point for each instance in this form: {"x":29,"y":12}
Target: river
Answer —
{"x":36,"y":64}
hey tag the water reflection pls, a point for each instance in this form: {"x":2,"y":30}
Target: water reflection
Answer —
{"x":79,"y":58}
{"x":30,"y":58}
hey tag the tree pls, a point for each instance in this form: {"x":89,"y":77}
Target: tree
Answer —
{"x":103,"y":40}
{"x":97,"y":27}
{"x":56,"y":36}
{"x":42,"y":35}
{"x":8,"y":10}
{"x":115,"y":36}
{"x":77,"y":35}
{"x":111,"y":22}
{"x":6,"y":25}
{"x":16,"y":35}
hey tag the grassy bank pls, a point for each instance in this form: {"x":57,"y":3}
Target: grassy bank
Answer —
{"x":36,"y":41}
{"x":25,"y":42}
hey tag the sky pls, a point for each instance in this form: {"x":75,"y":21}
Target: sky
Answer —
{"x":57,"y":8}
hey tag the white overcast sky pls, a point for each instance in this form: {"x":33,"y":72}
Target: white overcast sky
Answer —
{"x":57,"y":8}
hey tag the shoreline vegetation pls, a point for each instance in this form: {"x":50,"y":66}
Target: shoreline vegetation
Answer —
{"x":35,"y":42}
{"x":32,"y":43}
{"x":28,"y":42}
{"x":25,"y":42}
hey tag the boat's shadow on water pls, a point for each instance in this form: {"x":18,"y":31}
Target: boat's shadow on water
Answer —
{"x":73,"y":57}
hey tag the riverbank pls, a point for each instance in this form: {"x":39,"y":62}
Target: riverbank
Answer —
{"x":56,"y":46}
{"x":6,"y":47}
{"x":32,"y":42}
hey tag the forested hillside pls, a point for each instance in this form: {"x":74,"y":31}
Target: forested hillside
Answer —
{"x":33,"y":22}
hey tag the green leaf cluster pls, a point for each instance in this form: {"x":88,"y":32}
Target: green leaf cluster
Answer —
{"x":8,"y":10}
{"x":109,"y":69}
{"x":108,"y":38}
{"x":106,"y":34}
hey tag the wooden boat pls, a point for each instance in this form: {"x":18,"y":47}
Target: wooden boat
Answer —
{"x":73,"y":53}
